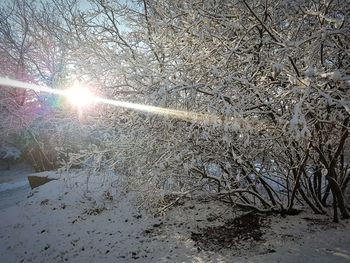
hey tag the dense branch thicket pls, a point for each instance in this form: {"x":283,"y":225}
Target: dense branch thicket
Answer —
{"x":271,"y":77}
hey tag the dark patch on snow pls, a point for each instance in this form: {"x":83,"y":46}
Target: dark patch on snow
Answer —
{"x":174,"y":199}
{"x":154,"y":230}
{"x":36,"y":181}
{"x":44,"y":202}
{"x":319,"y":223}
{"x":243,"y":230}
{"x":94,"y":211}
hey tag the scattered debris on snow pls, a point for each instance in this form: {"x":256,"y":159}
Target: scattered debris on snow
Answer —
{"x":86,"y":218}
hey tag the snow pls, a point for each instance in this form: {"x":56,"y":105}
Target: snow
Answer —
{"x":66,"y":221}
{"x":13,"y":185}
{"x":10,"y":152}
{"x":48,"y":174}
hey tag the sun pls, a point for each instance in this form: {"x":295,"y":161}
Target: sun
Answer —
{"x":79,"y":96}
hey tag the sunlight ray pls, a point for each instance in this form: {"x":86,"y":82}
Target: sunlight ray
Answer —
{"x":185,"y":115}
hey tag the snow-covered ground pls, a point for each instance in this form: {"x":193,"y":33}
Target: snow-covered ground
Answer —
{"x":14,"y":185}
{"x":64,"y":221}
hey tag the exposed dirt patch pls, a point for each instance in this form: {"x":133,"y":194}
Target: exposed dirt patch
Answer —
{"x":94,"y":211}
{"x":319,"y":223}
{"x":154,"y":230}
{"x":174,"y":200}
{"x":245,"y":230}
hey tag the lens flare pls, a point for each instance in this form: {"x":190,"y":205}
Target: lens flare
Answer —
{"x":79,"y":96}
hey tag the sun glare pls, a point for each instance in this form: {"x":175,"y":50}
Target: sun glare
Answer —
{"x":79,"y":96}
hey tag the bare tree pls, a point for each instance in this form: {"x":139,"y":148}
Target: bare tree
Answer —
{"x":265,"y":82}
{"x":276,"y":76}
